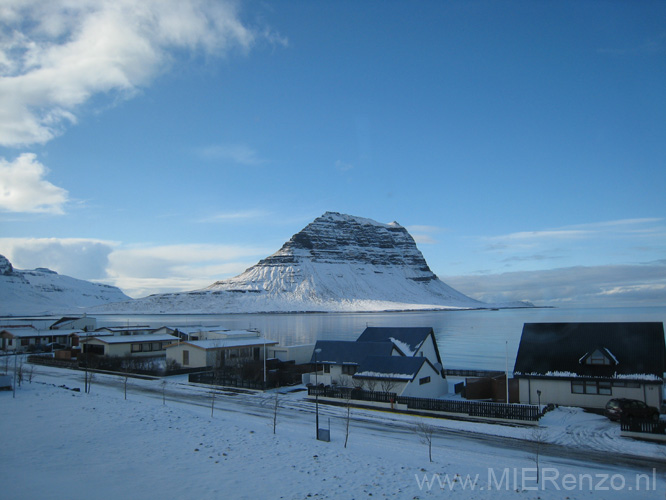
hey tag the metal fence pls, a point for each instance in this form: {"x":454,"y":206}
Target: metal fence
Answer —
{"x":644,"y":426}
{"x":469,"y":408}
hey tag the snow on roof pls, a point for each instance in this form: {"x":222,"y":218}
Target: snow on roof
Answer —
{"x":228,"y":343}
{"x":390,"y":367}
{"x":133,"y":339}
{"x":568,"y":375}
{"x":33,"y":332}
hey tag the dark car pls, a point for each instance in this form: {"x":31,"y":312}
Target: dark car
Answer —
{"x":628,"y":409}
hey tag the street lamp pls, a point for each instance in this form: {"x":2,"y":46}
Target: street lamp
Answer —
{"x":316,"y":351}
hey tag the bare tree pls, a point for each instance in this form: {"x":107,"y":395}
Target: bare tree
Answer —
{"x":370,"y":384}
{"x":275,"y":408}
{"x":539,"y":437}
{"x":19,"y":373}
{"x":425,"y":431}
{"x":348,"y":400}
{"x":387,"y":385}
{"x":31,"y":373}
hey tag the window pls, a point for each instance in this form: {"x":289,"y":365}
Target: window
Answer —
{"x":186,"y":357}
{"x":591,"y":387}
{"x":25,"y":342}
{"x":424,"y":380}
{"x":597,"y":358}
{"x":136,"y":347}
{"x":327,"y":368}
{"x":348,"y":369}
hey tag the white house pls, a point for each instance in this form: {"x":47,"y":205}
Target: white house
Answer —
{"x":586,"y":364}
{"x":213,"y":352}
{"x":86,"y":323}
{"x":128,"y":345}
{"x":405,"y":361}
{"x":25,"y":338}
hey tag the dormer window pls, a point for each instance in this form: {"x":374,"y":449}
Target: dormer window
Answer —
{"x":599,"y":357}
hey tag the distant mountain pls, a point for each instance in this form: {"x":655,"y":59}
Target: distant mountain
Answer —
{"x":336,"y":263}
{"x":42,"y":291}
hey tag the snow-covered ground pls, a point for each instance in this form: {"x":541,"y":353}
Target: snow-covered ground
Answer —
{"x":58,"y":443}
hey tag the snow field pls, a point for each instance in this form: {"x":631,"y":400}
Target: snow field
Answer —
{"x":63,"y":444}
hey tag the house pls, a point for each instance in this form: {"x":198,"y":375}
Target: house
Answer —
{"x":405,"y":376}
{"x":586,"y":364}
{"x":85,"y":323}
{"x":336,"y":361}
{"x":128,"y":345}
{"x":126,"y":330}
{"x":27,"y":338}
{"x":230,"y":350}
{"x":412,"y":341}
{"x":405,"y":361}
{"x":297,"y":354}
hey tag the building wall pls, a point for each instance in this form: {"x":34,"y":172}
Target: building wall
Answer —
{"x":437,"y":386}
{"x":300,"y":354}
{"x":559,"y":392}
{"x":197,"y":357}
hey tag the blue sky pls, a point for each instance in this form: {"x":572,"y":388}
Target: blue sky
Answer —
{"x":165,"y":145}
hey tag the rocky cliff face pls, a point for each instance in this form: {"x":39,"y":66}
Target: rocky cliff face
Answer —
{"x":42,"y":291}
{"x":336,"y":263}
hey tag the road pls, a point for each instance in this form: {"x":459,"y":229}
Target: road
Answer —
{"x":381,"y":423}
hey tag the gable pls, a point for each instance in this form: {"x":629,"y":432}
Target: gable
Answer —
{"x":592,"y":350}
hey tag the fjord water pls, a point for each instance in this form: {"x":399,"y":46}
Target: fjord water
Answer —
{"x":479,"y":339}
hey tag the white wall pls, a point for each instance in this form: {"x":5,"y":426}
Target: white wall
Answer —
{"x":437,"y":386}
{"x":559,"y":392}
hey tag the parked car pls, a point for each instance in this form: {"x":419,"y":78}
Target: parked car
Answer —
{"x":622,"y":408}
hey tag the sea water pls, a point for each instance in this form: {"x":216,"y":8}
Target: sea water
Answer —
{"x":480,"y":339}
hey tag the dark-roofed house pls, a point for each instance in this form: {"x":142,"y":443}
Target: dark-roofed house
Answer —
{"x":339,"y":359}
{"x":401,"y":360}
{"x":405,"y":376}
{"x":586,"y":364}
{"x":416,"y":341}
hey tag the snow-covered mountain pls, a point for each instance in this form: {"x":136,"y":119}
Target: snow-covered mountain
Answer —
{"x":336,"y":263}
{"x":42,"y":291}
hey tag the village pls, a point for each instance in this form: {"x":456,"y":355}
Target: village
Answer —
{"x":599,"y":367}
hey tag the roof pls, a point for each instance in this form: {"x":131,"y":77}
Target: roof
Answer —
{"x":227,"y":343}
{"x":634,"y":350}
{"x":406,"y":338}
{"x":133,"y":339}
{"x":390,"y":367}
{"x":30,"y":332}
{"x":340,"y":352}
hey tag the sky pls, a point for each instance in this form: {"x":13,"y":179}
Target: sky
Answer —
{"x":166,"y":144}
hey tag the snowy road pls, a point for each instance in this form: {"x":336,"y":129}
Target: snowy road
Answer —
{"x":570,"y":442}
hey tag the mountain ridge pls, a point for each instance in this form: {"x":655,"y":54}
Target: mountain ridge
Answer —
{"x":337,"y":263}
{"x":42,"y":291}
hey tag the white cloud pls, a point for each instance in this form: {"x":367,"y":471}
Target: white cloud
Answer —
{"x":423,"y":234}
{"x":24,"y":189}
{"x":239,"y":154}
{"x":237,"y":215}
{"x":54,"y":56}
{"x":137,"y":270}
{"x":601,"y":286}
{"x":77,"y":257}
{"x":145,"y":270}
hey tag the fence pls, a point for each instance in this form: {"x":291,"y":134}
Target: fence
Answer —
{"x":644,"y":426}
{"x":213,"y":379}
{"x":470,"y":408}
